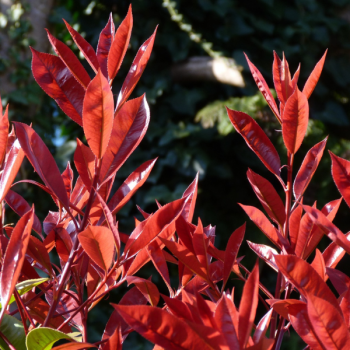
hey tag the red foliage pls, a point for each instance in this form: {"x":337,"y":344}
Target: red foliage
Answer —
{"x":95,"y":257}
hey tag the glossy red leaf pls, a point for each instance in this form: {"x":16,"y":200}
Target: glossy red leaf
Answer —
{"x":156,"y":254}
{"x":340,"y":280}
{"x":164,"y":329}
{"x":14,"y":258}
{"x":20,"y":206}
{"x":264,"y":89}
{"x":11,"y":168}
{"x":178,"y":308}
{"x":226,"y":317}
{"x":114,"y":341}
{"x":231,"y":252}
{"x":104,"y":45}
{"x":84,"y":161}
{"x":268,"y":197}
{"x":294,"y":226}
{"x":295,"y":121}
{"x":74,"y":346}
{"x":248,"y":305}
{"x":154,"y":226}
{"x":119,"y":45}
{"x":70,"y":60}
{"x":136,"y":70}
{"x":37,"y":251}
{"x":319,"y":265}
{"x":85,"y":48}
{"x":264,"y":252}
{"x":191,"y":190}
{"x":58,"y":82}
{"x":135,"y":180}
{"x":98,"y":114}
{"x":146,"y":287}
{"x":330,"y":210}
{"x":4,"y":130}
{"x":97,"y":242}
{"x":67,"y":177}
{"x":341,"y":176}
{"x":304,"y":278}
{"x":42,"y":161}
{"x":327,"y":227}
{"x":333,"y":254}
{"x":301,"y":323}
{"x":263,"y":223}
{"x":129,"y":127}
{"x":113,"y":226}
{"x":282,"y":79}
{"x":314,"y":76}
{"x":256,"y":139}
{"x":328,"y":324}
{"x":308,"y":168}
{"x":262,"y":327}
{"x":186,"y":257}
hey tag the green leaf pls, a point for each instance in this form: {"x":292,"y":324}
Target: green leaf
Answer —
{"x":44,"y":338}
{"x":26,"y":286}
{"x":13,"y":330}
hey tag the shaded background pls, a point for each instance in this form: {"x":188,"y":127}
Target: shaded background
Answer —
{"x":189,"y":130}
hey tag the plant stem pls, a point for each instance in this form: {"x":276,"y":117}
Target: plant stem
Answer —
{"x":67,"y":267}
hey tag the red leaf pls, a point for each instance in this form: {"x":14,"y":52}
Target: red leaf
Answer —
{"x":114,"y":341}
{"x":136,"y":70}
{"x":129,"y":127}
{"x":58,"y":82}
{"x":340,"y":281}
{"x":262,"y":327}
{"x":330,"y":209}
{"x":154,"y":226}
{"x":300,"y":321}
{"x":146,"y":287}
{"x":20,"y":206}
{"x":308,"y":168}
{"x":37,"y":251}
{"x":294,"y":226}
{"x":74,"y":346}
{"x":268,"y":197}
{"x":264,"y":89}
{"x":70,"y":60}
{"x":333,"y":254}
{"x":14,"y":258}
{"x":186,"y":257}
{"x":314,"y":76}
{"x":226,"y":317}
{"x":327,"y":227}
{"x":4,"y":130}
{"x":295,"y":121}
{"x":42,"y":161}
{"x":256,"y":139}
{"x":11,"y":168}
{"x":111,"y":223}
{"x":231,"y":252}
{"x":85,"y":48}
{"x":319,"y":265}
{"x":282,"y":79}
{"x":98,"y":114}
{"x":164,"y":329}
{"x":96,"y":241}
{"x":264,"y":252}
{"x":135,"y":180}
{"x":191,"y":190}
{"x":304,"y":278}
{"x":341,"y":176}
{"x":248,"y":305}
{"x":67,"y":177}
{"x":156,"y":254}
{"x":328,"y":324}
{"x":119,"y":45}
{"x":263,"y":223}
{"x":84,"y":161}
{"x":104,"y":45}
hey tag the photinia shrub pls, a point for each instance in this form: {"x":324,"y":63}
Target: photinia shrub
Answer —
{"x":96,"y":258}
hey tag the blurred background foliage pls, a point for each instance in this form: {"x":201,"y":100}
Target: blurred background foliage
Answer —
{"x":189,"y":130}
